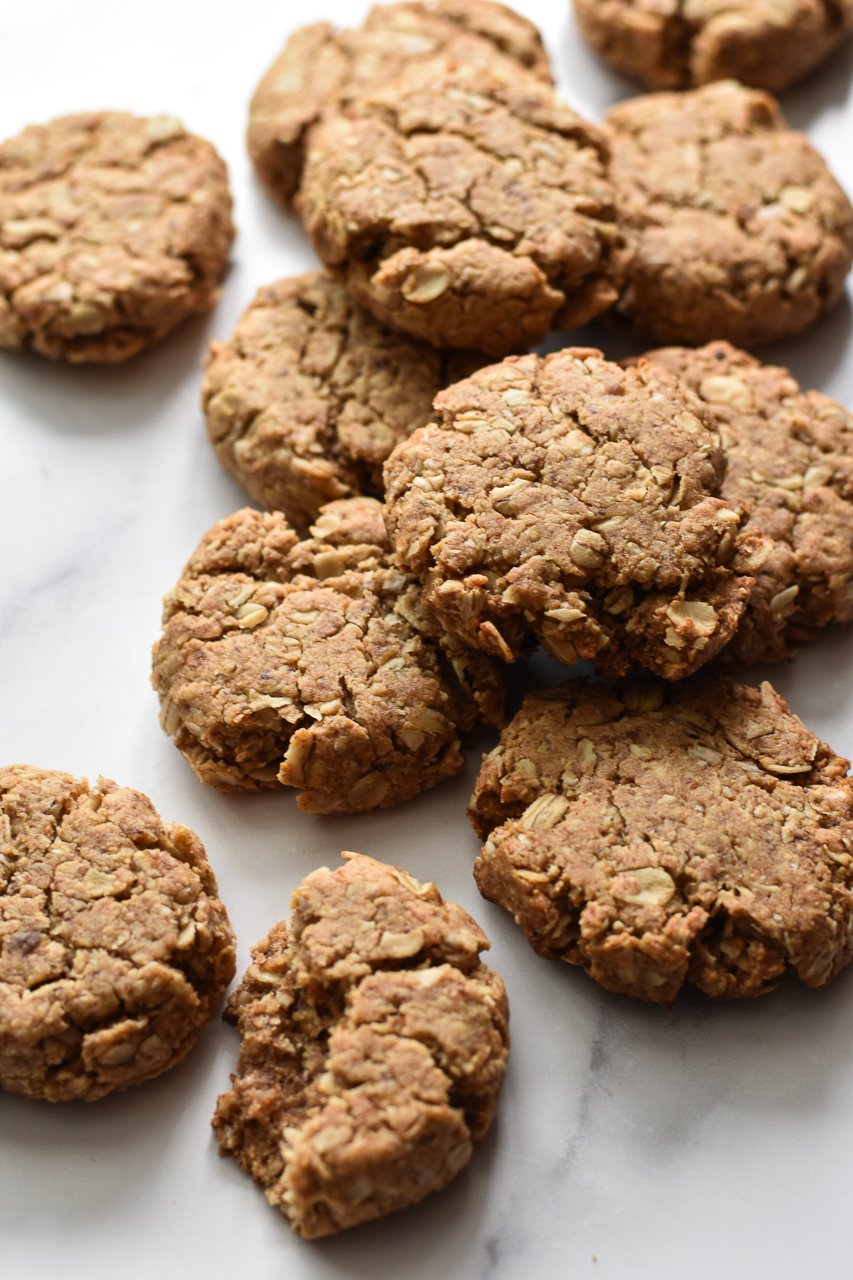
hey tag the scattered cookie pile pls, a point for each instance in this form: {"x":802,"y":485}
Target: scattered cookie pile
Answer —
{"x":439,"y":502}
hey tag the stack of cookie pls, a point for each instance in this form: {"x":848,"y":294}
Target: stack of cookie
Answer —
{"x":439,"y":502}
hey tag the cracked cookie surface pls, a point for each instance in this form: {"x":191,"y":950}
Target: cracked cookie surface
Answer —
{"x":312,"y":664}
{"x":113,"y":229}
{"x":114,"y":946}
{"x":790,"y":459}
{"x":737,"y":227}
{"x":322,"y":69}
{"x":373,"y":1048}
{"x":307,"y":399}
{"x":568,"y":501}
{"x":661,"y":835}
{"x":673,"y":44}
{"x":467,"y":206}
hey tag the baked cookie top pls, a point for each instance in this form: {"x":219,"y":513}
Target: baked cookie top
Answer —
{"x":114,"y":946}
{"x":322,"y":69}
{"x":790,"y":459}
{"x":737,"y":227}
{"x":673,"y":44}
{"x":311,"y":664}
{"x":113,"y":229}
{"x":658,"y":835}
{"x":467,"y":206}
{"x":567,"y":500}
{"x":309,"y":396}
{"x":373,"y":1049}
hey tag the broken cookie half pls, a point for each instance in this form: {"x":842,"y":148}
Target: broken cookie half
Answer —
{"x":374,"y":1045}
{"x":659,"y":835}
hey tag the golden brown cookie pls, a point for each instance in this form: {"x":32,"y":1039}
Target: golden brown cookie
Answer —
{"x":310,"y":395}
{"x":567,"y":501}
{"x":114,"y":946}
{"x":113,"y":229}
{"x":467,"y":206}
{"x":737,"y":227}
{"x":312,"y":664}
{"x":373,"y":1048}
{"x":663,"y":834}
{"x":790,"y":459}
{"x":321,"y":69}
{"x":673,"y":44}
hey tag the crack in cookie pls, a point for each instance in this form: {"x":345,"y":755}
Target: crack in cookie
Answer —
{"x":373,"y":1048}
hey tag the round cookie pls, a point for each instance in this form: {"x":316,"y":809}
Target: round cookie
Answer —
{"x":373,"y":1049}
{"x":113,"y":229}
{"x":661,"y":835}
{"x":310,"y":395}
{"x":673,"y":44}
{"x":568,"y":501}
{"x":321,"y":69}
{"x":790,"y":459}
{"x":737,"y":227}
{"x":114,"y":946}
{"x":312,"y":664}
{"x":467,"y":206}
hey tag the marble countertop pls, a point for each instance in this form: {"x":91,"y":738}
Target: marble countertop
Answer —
{"x":705,"y":1140}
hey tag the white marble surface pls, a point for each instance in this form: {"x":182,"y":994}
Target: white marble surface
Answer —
{"x":701,"y":1141}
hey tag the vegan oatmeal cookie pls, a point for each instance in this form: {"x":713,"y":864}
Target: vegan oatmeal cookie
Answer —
{"x":667,"y":834}
{"x":673,"y":44}
{"x":373,"y":1048}
{"x":738,"y":229}
{"x":321,"y":69}
{"x":312,"y":664}
{"x":467,"y":206}
{"x":113,"y":229}
{"x":568,"y":501}
{"x":790,"y":459}
{"x":310,"y":395}
{"x":114,"y":946}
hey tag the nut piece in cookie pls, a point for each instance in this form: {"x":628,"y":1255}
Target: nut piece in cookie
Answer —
{"x":673,"y":44}
{"x":659,"y":834}
{"x":737,"y":227}
{"x":114,"y":946}
{"x":321,"y":69}
{"x":113,"y":229}
{"x":568,"y":501}
{"x":373,"y":1049}
{"x":790,"y":460}
{"x":311,"y":394}
{"x":312,"y":664}
{"x":467,"y":206}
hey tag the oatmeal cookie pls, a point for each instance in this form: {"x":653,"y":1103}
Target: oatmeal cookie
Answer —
{"x":373,"y":1048}
{"x":312,"y":664}
{"x":572,"y":502}
{"x":322,"y":69}
{"x":467,"y":206}
{"x":663,"y":834}
{"x":673,"y":44}
{"x":113,"y":229}
{"x":790,"y":460}
{"x":310,"y":395}
{"x":737,"y":227}
{"x":114,"y":946}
